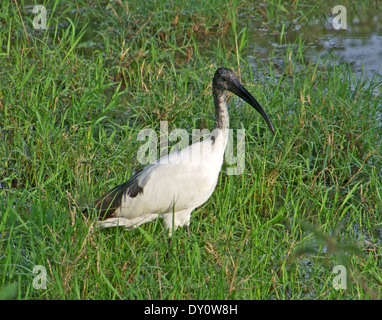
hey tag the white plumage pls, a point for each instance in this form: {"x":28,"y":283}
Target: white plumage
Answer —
{"x":173,"y":186}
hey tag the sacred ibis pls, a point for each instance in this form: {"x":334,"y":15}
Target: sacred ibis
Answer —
{"x":173,"y":186}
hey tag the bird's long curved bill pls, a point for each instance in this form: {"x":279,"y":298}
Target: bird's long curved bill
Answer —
{"x":243,"y":93}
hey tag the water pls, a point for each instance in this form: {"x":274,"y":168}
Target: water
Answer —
{"x":359,"y":45}
{"x":363,"y":53}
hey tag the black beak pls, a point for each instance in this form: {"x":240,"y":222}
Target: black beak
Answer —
{"x":238,"y":89}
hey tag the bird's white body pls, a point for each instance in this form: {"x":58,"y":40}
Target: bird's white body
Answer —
{"x":174,"y":185}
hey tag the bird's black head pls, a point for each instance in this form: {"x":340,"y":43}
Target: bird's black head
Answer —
{"x":226,"y":79}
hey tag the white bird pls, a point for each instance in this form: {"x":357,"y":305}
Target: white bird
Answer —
{"x":173,"y":186}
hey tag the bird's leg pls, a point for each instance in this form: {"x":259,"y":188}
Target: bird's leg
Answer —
{"x":188,"y":230}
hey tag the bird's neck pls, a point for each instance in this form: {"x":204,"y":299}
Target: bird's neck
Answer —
{"x":222,"y":119}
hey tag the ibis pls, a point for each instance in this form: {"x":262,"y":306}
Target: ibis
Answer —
{"x":174,"y":185}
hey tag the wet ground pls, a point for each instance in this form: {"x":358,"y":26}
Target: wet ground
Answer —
{"x":359,"y":44}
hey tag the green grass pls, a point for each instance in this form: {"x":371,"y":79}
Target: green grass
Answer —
{"x":73,"y":99}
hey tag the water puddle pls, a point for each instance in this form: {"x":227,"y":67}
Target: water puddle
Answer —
{"x":359,"y":45}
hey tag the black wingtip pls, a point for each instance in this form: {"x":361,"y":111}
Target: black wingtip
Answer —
{"x":109,"y":202}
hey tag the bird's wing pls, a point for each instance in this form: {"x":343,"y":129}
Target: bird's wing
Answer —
{"x":182,"y":180}
{"x":109,"y":202}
